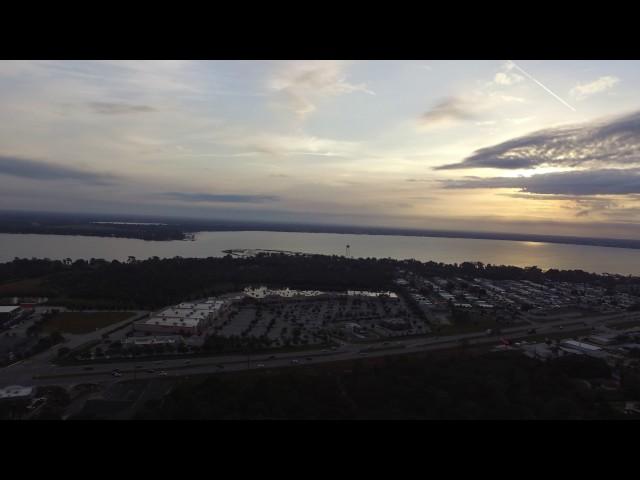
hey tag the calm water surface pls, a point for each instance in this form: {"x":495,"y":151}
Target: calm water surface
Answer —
{"x":448,"y":250}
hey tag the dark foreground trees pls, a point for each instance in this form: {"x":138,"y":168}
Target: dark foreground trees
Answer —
{"x":493,"y":386}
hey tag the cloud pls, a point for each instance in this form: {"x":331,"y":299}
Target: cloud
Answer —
{"x":223,"y":198}
{"x":605,"y":143}
{"x":285,"y":145}
{"x":486,"y":123}
{"x":449,"y":110}
{"x":578,"y":182}
{"x":582,"y":206}
{"x":457,"y":109}
{"x":110,"y":108}
{"x":303,"y":84}
{"x":37,"y":170}
{"x":581,"y":91}
{"x":507,"y":76}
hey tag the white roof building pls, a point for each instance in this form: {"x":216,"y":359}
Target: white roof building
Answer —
{"x":15,"y":391}
{"x":587,"y":347}
{"x":153,"y":340}
{"x":173,"y":322}
{"x":9,"y":308}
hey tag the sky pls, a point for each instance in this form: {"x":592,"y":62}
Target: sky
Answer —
{"x":544,"y":147}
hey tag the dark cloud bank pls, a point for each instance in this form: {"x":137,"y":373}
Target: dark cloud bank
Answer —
{"x":113,"y":108}
{"x":606,"y":143}
{"x":607,"y":154}
{"x":580,"y":182}
{"x":226,"y":198}
{"x":35,"y":169}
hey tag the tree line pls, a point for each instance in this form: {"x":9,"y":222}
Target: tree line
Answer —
{"x":156,"y":282}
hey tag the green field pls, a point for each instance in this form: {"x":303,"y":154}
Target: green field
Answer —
{"x":83,"y":322}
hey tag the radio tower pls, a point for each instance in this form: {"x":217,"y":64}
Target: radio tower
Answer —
{"x":347,"y":251}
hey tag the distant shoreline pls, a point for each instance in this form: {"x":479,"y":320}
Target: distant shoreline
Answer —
{"x":160,"y":229}
{"x":189,"y":234}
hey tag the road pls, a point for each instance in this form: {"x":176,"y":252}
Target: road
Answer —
{"x":40,"y":371}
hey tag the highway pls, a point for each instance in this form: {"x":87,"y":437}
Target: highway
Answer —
{"x":40,"y":371}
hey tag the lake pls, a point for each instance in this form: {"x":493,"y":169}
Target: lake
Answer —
{"x":448,"y":250}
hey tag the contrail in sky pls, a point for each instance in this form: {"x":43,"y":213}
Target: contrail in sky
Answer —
{"x":530,"y":77}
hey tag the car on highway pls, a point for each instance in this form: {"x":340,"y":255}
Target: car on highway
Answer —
{"x":295,"y":360}
{"x":116,"y":374}
{"x":88,"y":368}
{"x":325,"y":350}
{"x":334,"y":348}
{"x":37,"y":403}
{"x":308,"y":359}
{"x":272,"y":357}
{"x":151,"y":370}
{"x":163,"y":374}
{"x":187,"y":362}
{"x":363,"y":353}
{"x":220,"y":365}
{"x":260,"y":365}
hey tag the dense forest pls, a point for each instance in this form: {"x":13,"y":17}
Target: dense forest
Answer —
{"x":400,"y":387}
{"x":156,"y":282}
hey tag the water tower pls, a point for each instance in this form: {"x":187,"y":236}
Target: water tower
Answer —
{"x":347,"y":251}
